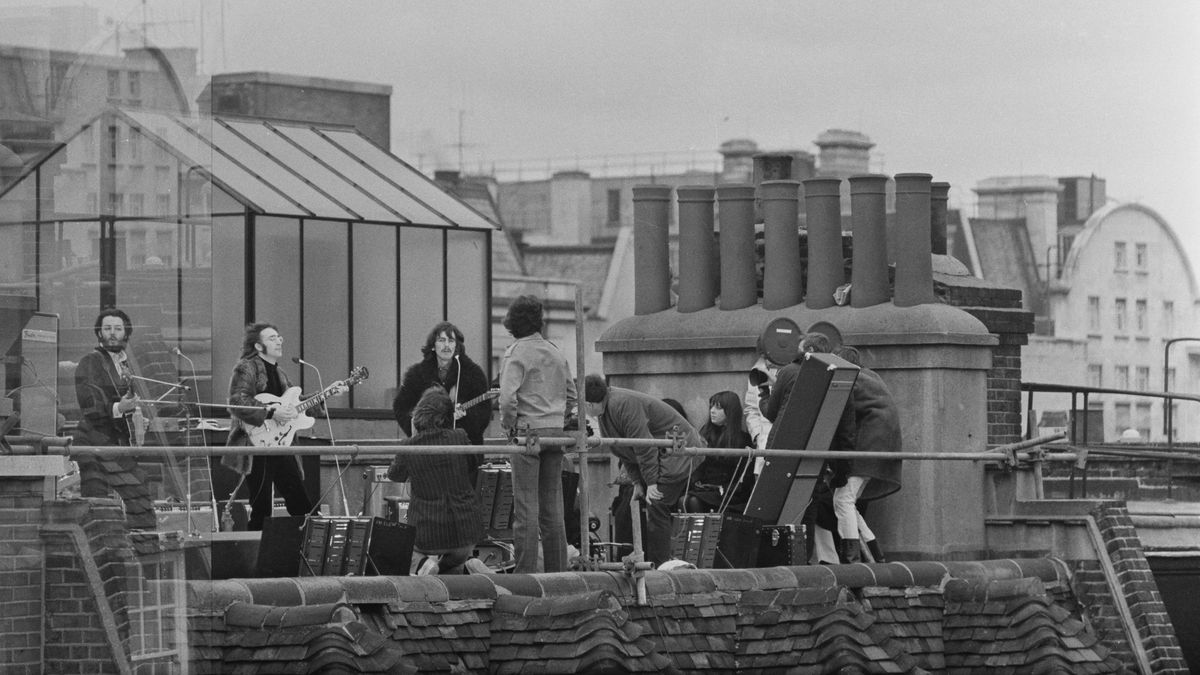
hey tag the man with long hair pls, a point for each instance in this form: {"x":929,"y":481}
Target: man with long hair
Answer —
{"x":256,"y":373}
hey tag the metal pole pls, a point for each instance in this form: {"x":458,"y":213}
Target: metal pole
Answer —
{"x":580,"y":430}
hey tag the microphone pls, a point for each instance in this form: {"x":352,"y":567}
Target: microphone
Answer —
{"x":332,"y":440}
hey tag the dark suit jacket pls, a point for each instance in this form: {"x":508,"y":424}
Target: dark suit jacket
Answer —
{"x":98,"y":386}
{"x":249,"y":379}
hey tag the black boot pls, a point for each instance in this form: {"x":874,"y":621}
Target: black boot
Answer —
{"x":850,"y":552}
{"x":876,"y":552}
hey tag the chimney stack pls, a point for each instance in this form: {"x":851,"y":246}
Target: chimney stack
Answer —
{"x":939,"y":195}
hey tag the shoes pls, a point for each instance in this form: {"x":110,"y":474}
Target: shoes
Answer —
{"x":427,"y":566}
{"x":476,"y":566}
{"x":876,"y":552}
{"x":850,"y":551}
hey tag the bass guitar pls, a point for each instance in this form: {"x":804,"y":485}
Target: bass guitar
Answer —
{"x":274,"y":432}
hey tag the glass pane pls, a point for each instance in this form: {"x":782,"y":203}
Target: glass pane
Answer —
{"x":276,"y":174}
{"x":326,"y":316}
{"x":175,"y":133}
{"x":374,"y":328}
{"x":413,"y":182}
{"x":332,"y":184}
{"x":228,"y":303}
{"x":467,"y":290}
{"x":353,"y":169}
{"x":277,"y":281}
{"x":421,"y":293}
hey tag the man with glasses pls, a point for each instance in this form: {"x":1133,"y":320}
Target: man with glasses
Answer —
{"x":256,"y":373}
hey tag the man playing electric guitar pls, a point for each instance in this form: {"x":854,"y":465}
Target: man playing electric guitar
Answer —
{"x":258,"y":373}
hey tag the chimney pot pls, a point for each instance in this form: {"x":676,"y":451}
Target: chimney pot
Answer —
{"x":914,"y":265}
{"x":651,"y":259}
{"x":869,"y":269}
{"x":699,"y":281}
{"x":782,"y":275}
{"x":736,"y":216}
{"x":823,"y":206}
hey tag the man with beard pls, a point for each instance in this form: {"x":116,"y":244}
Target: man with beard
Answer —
{"x":107,"y":401}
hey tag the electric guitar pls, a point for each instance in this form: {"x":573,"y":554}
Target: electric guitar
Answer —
{"x":274,"y":432}
{"x":485,"y":396}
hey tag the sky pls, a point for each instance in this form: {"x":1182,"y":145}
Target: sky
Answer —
{"x":961,"y":89}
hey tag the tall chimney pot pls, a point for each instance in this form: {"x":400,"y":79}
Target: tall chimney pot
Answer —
{"x":651,"y":259}
{"x":823,"y":206}
{"x":869,"y":270}
{"x":699,"y":281}
{"x":939,"y":196}
{"x":914,"y":265}
{"x":736,"y":215}
{"x":783,"y":283}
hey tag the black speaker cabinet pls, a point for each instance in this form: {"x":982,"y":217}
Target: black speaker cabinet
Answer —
{"x":807,"y":419}
{"x":280,"y":546}
{"x":356,"y":546}
{"x":715,"y":540}
{"x":781,"y":545}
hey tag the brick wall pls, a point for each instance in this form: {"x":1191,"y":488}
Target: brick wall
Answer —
{"x":1136,"y":584}
{"x":21,"y":577}
{"x":999,"y":308}
{"x":88,"y":593}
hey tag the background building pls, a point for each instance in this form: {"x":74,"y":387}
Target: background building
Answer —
{"x":1109,"y":284}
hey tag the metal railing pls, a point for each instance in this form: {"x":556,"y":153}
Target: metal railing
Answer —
{"x":1076,"y":391}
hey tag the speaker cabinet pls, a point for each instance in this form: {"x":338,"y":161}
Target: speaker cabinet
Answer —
{"x":280,"y":546}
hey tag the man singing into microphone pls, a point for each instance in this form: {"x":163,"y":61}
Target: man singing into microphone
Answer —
{"x":107,"y":400}
{"x":257,"y":373}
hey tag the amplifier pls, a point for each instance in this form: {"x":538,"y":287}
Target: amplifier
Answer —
{"x":356,"y":546}
{"x":781,"y":545}
{"x":715,"y":540}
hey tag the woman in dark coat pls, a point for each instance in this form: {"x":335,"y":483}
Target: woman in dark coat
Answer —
{"x":446,"y":364}
{"x":716,"y":476}
{"x":443,"y":507}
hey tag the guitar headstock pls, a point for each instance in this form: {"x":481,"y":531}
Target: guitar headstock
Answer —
{"x":357,"y":375}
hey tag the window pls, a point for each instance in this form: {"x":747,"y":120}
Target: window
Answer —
{"x":1141,"y":380}
{"x":135,"y":144}
{"x":1095,"y":375}
{"x":162,"y":204}
{"x":112,"y":140}
{"x":114,"y":84}
{"x":137,"y":204}
{"x":614,"y":207}
{"x":1168,"y":318}
{"x":1141,"y":420}
{"x":93,"y":202}
{"x":1121,"y":417}
{"x":114,"y":203}
{"x":1094,"y":313}
{"x":1121,"y":307}
{"x":1122,"y":377}
{"x":135,"y":85}
{"x":1139,"y":316}
{"x":1119,"y":256}
{"x":1140,"y":257}
{"x":1170,"y":383}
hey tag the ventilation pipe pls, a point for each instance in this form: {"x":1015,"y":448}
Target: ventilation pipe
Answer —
{"x":914,"y":266}
{"x":869,"y":271}
{"x":823,"y":205}
{"x":651,"y":259}
{"x":939,"y":197}
{"x":735,"y":204}
{"x":698,"y":279}
{"x":783,"y":285}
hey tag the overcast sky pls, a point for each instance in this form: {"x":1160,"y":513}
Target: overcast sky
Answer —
{"x":964,"y":90}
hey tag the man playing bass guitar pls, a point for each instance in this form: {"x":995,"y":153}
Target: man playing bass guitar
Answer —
{"x":258,"y":373}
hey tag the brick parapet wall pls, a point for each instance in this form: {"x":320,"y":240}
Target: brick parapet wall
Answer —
{"x":76,"y":638}
{"x":999,"y":309}
{"x":1136,"y":584}
{"x":21,"y":575}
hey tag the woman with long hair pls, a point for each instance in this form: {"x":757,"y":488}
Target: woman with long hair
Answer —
{"x":722,"y":483}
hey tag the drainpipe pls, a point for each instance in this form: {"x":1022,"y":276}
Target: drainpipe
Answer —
{"x":868,"y":212}
{"x":783,"y":285}
{"x":914,"y":266}
{"x":939,"y":196}
{"x":651,"y":259}
{"x":735,"y":209}
{"x":823,"y":204}
{"x":698,"y":279}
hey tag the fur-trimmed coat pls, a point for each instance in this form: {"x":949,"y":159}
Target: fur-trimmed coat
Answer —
{"x":423,"y":375}
{"x":98,"y":386}
{"x":249,"y":379}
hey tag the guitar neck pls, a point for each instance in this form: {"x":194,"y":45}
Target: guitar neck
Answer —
{"x":313,"y":400}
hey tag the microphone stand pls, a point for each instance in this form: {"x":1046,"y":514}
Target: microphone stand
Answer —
{"x":329,"y":424}
{"x":212,"y":488}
